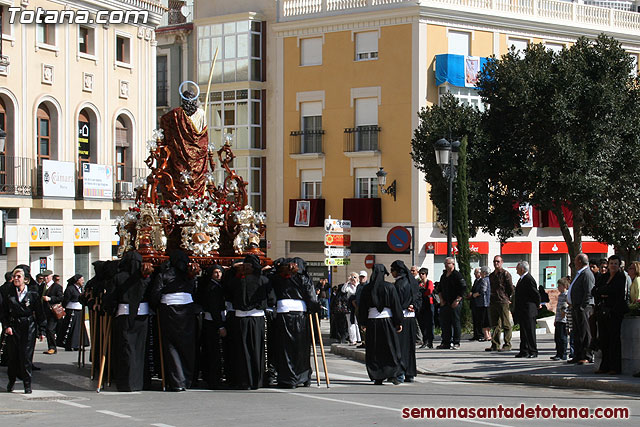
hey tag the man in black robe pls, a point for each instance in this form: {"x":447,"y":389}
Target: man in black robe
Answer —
{"x":22,"y":320}
{"x":248,"y":290}
{"x":172,"y":295}
{"x":211,"y":297}
{"x":451,"y":289}
{"x":382,"y":315}
{"x":130,"y":305}
{"x":408,"y":292}
{"x":296,"y":298}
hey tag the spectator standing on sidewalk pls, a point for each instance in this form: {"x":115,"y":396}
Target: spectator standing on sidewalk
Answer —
{"x":479,"y":296}
{"x":451,"y":290}
{"x":501,"y":292}
{"x":527,"y":302}
{"x":581,"y":301}
{"x":425,"y":314}
{"x":560,"y":322}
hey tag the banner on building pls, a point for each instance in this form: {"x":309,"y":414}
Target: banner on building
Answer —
{"x":527,"y":215}
{"x":58,"y":179}
{"x":302,"y":213}
{"x":471,"y":70}
{"x":97,"y":181}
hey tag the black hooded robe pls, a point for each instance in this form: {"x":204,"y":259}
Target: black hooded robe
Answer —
{"x":177,"y":321}
{"x":382,"y":344}
{"x":248,"y":295}
{"x":211,"y":297}
{"x":293,"y":338}
{"x":130,"y":330}
{"x":408,"y":293}
{"x":72,"y":325}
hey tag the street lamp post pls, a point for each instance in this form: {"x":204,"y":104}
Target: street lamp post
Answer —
{"x":447,"y":159}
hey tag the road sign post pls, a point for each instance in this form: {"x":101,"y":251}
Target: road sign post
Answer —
{"x":337,"y":241}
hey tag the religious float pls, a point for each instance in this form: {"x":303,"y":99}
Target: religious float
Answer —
{"x":181,"y":205}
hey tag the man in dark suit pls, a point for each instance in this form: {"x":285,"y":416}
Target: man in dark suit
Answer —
{"x":579,"y":296}
{"x":527,"y":302}
{"x":51,"y":293}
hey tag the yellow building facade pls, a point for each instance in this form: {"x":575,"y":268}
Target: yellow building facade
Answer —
{"x":350,"y":78}
{"x":77,"y":104}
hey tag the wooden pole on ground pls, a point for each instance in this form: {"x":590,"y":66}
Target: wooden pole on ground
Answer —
{"x":107,"y":331}
{"x":315,"y":353}
{"x":324,"y":359}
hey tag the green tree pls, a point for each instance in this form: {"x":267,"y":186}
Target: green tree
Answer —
{"x":563,"y":130}
{"x":461,"y":224}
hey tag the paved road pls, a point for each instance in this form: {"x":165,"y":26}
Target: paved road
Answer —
{"x":63,"y":395}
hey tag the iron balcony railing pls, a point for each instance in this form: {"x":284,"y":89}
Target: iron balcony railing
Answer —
{"x":362,"y":138}
{"x":16,"y":176}
{"x":309,"y":141}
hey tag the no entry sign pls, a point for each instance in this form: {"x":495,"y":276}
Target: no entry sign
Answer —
{"x":399,"y":239}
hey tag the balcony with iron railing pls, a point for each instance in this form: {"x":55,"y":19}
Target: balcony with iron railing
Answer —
{"x":180,"y":12}
{"x":362,"y":139}
{"x":306,"y":142}
{"x":557,"y":12}
{"x":16,"y":176}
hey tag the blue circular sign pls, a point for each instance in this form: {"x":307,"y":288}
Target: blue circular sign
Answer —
{"x":399,"y":239}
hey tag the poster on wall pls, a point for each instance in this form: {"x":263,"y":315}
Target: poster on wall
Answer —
{"x":302,"y":213}
{"x":550,"y":277}
{"x":527,"y":215}
{"x":97,"y":181}
{"x":83,"y":140}
{"x":471,"y":70}
{"x":58,"y":179}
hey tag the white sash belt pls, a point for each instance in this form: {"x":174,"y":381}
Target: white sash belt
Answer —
{"x":229,"y":306}
{"x":287,"y":305}
{"x":250,"y":313}
{"x":74,"y":306}
{"x":177,"y":298}
{"x":123,"y":309}
{"x":375,"y":314}
{"x":408,"y":313}
{"x":208,"y":316}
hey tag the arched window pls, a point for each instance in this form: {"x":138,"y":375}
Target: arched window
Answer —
{"x":3,"y":148}
{"x":44,"y":134}
{"x":123,"y":149}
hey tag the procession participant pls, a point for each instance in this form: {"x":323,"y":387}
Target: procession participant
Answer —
{"x":211,"y":297}
{"x":51,"y":295}
{"x":22,"y":317}
{"x":4,"y":290}
{"x":408,"y":293}
{"x":248,"y":290}
{"x":172,"y":295}
{"x":130,"y":303}
{"x":382,"y":314}
{"x":72,"y":325}
{"x":296,"y":296}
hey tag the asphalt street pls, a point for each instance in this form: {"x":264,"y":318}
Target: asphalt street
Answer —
{"x":63,"y":395}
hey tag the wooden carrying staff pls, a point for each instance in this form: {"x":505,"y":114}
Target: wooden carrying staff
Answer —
{"x":315,"y":354}
{"x":105,"y":348}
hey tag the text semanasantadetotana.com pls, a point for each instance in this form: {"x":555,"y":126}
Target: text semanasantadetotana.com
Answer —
{"x":518,"y":412}
{"x":42,"y":16}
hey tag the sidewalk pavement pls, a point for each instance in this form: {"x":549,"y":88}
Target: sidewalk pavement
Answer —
{"x":470,"y":361}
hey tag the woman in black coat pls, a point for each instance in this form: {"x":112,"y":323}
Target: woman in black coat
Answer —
{"x":339,"y":311}
{"x":611,"y":310}
{"x":72,"y":325}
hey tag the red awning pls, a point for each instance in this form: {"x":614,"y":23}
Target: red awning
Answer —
{"x":509,"y":248}
{"x":553,"y":248}
{"x":477,"y":247}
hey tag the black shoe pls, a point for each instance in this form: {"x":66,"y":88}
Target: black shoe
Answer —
{"x":395,"y":381}
{"x":35,"y":368}
{"x":10,"y":386}
{"x":532,"y":356}
{"x":409,"y":379}
{"x":307,"y":383}
{"x":377,"y":382}
{"x":363,"y":345}
{"x":175,"y":389}
{"x":423,"y":346}
{"x":430,"y":345}
{"x":522,"y":355}
{"x":27,"y":389}
{"x":555,"y":358}
{"x":444,"y":347}
{"x":289,"y":386}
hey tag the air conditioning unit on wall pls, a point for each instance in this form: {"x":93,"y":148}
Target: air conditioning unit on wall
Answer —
{"x":124,"y":190}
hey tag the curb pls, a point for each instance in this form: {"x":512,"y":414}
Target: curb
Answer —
{"x":531,"y":379}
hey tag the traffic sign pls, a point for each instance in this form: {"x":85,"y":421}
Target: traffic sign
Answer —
{"x":369,"y":261}
{"x":343,"y":240}
{"x":337,"y":252}
{"x":399,"y":239}
{"x":337,"y":225}
{"x":336,"y":261}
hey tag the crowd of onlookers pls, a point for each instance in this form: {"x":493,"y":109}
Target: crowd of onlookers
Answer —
{"x":588,"y":312}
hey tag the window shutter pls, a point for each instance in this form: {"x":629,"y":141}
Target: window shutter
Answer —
{"x":459,"y":42}
{"x":311,"y":175}
{"x":519,"y":44}
{"x":311,"y":51}
{"x":366,"y":42}
{"x":311,"y":109}
{"x":366,"y":111}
